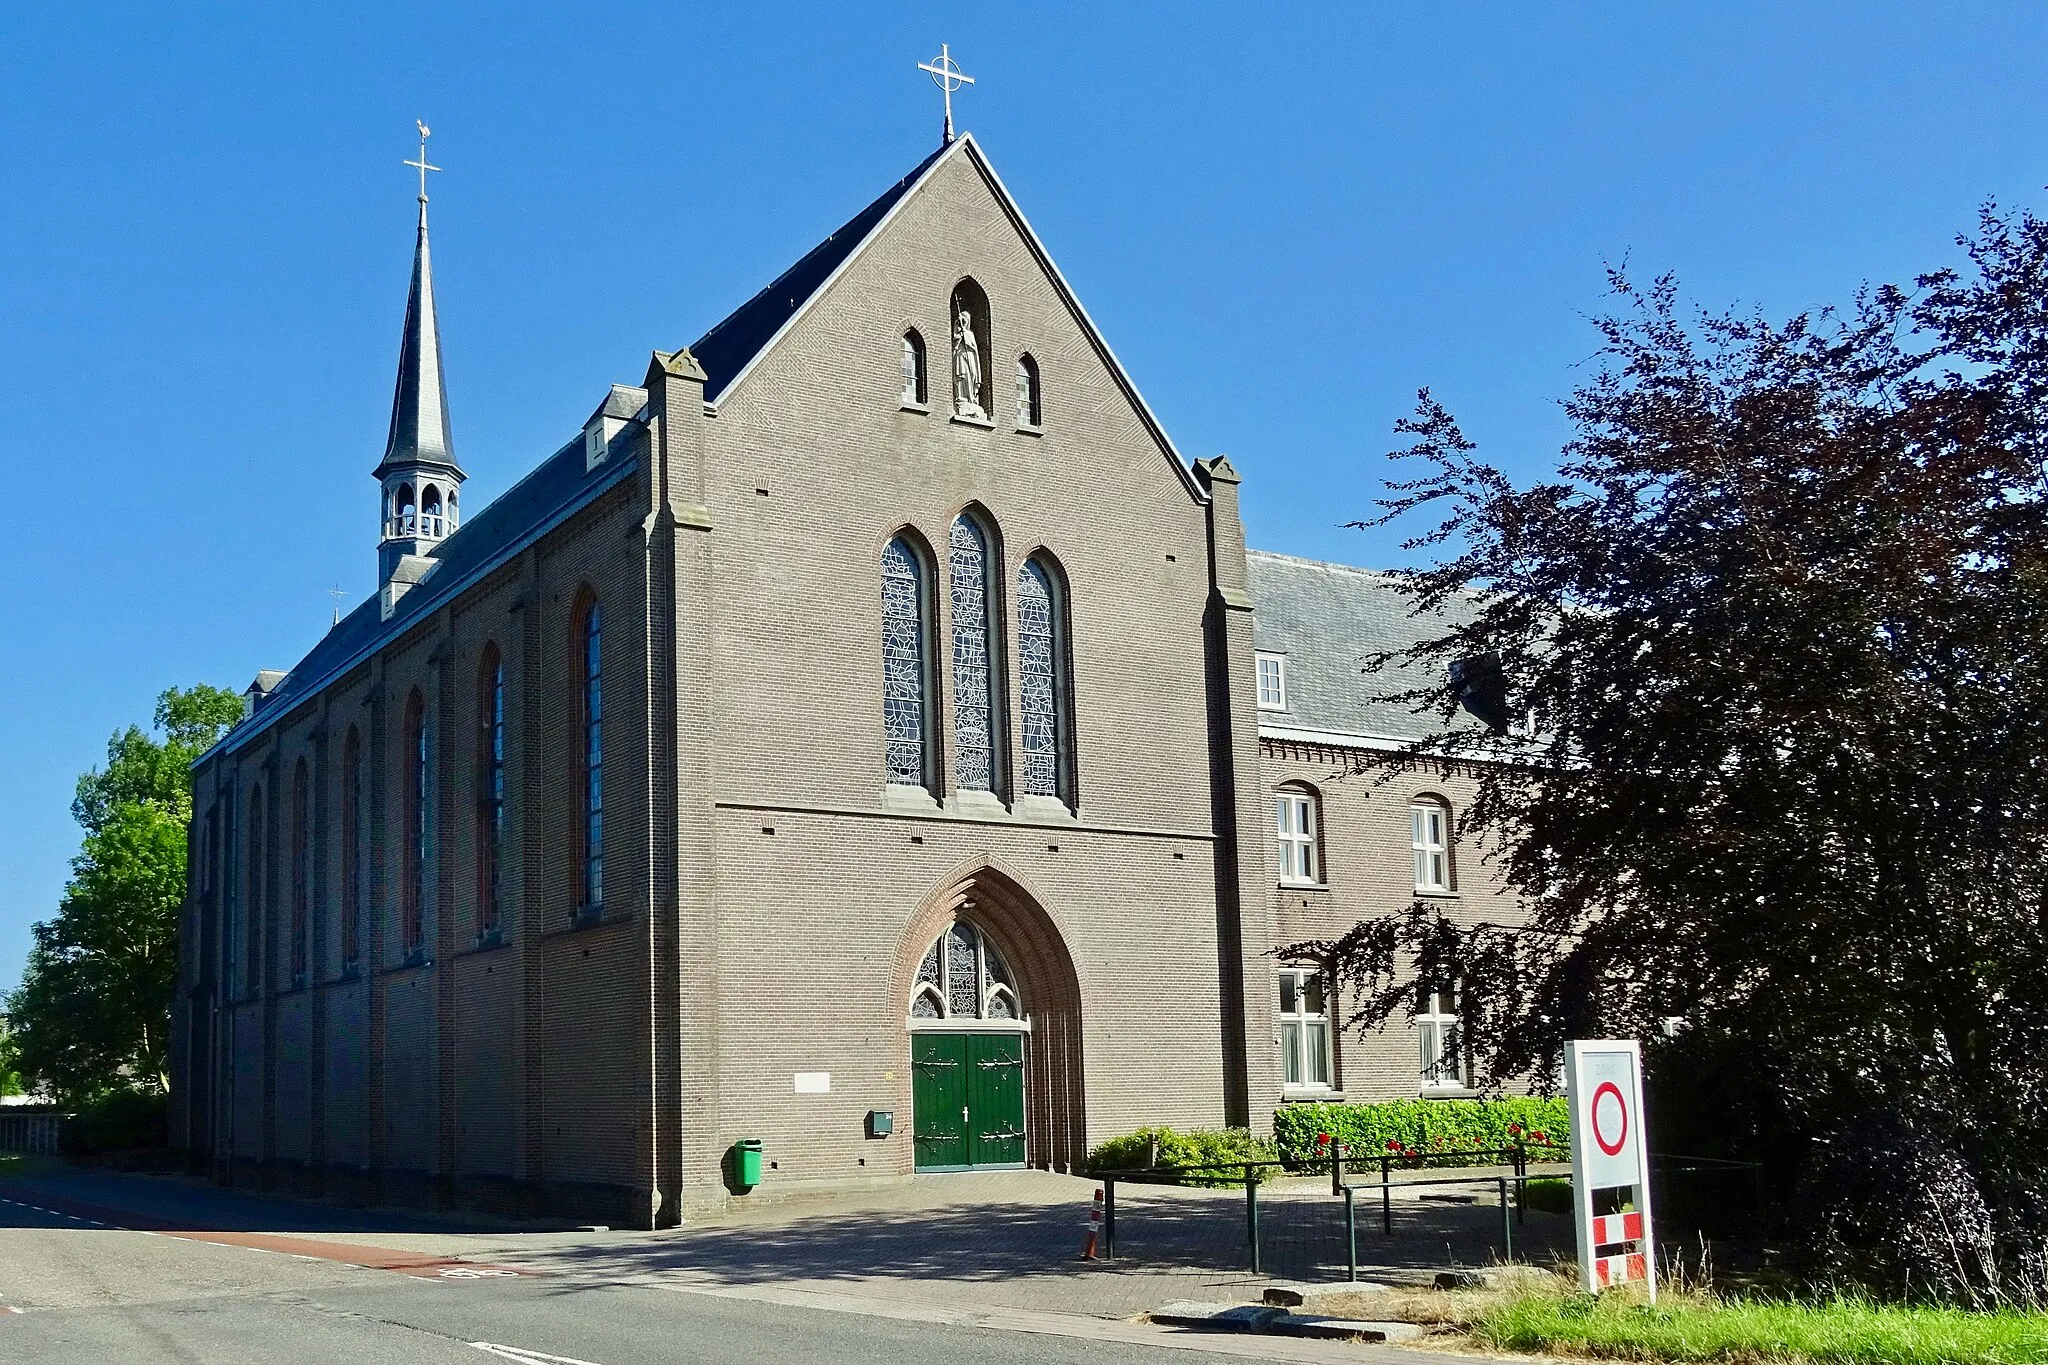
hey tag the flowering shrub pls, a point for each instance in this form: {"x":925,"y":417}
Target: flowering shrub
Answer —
{"x":1198,"y":1147}
{"x":1411,"y":1129}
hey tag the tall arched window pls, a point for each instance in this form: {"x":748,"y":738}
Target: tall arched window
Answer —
{"x":974,"y":693}
{"x":913,"y":368}
{"x":1043,"y":681}
{"x":252,"y":931}
{"x":351,"y":850}
{"x":906,"y":665}
{"x":229,"y":961}
{"x":1028,"y":411}
{"x":964,"y":977}
{"x":591,"y":637}
{"x":490,"y":782}
{"x":1429,"y":823}
{"x":302,"y":873}
{"x":412,"y":920}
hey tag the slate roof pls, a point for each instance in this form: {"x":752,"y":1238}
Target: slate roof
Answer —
{"x":725,"y":350}
{"x":1328,"y":619}
{"x":487,"y":539}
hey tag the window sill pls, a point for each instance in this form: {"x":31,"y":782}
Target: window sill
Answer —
{"x":586,"y":916}
{"x":1026,"y":429}
{"x":486,"y":942}
{"x":908,"y":406}
{"x":963,"y":419}
{"x":1447,"y":1092}
{"x":1437,"y":894}
{"x":1310,"y":1094}
{"x":1304,"y":886}
{"x":900,"y":796}
{"x":410,"y":962}
{"x":1045,"y":810}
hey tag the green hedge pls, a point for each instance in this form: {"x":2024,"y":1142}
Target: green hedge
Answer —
{"x":1202,"y":1147}
{"x":1427,"y":1127}
{"x":120,"y":1120}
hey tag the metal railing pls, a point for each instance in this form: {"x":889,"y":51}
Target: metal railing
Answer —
{"x":34,"y":1132}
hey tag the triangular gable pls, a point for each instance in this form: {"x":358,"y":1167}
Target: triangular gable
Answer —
{"x":751,"y":331}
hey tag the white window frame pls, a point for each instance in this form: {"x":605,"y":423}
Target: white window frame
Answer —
{"x":1437,"y":1016}
{"x":1304,"y":1033}
{"x":1272,"y":698}
{"x":1296,"y":837}
{"x":1429,"y":824}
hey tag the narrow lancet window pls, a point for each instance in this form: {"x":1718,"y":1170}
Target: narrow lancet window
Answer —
{"x":252,"y":934}
{"x":913,"y":368}
{"x":974,"y":711}
{"x":905,"y":671}
{"x":1042,"y":680}
{"x":1027,"y":392}
{"x":302,"y":873}
{"x":490,"y":763}
{"x":412,"y":922}
{"x":351,"y":849}
{"x":593,"y":759}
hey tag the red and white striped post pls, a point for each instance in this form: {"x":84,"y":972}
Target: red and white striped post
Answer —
{"x":1610,"y":1156}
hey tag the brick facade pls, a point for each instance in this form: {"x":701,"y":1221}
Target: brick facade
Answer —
{"x":766,"y":898}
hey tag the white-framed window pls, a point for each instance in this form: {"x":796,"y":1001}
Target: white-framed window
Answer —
{"x":1304,"y":1029}
{"x":1272,"y":682}
{"x":1431,"y":841}
{"x":1440,"y":1036}
{"x":1294,"y":818}
{"x":913,"y":369}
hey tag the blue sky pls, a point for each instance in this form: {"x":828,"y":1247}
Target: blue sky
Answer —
{"x":1286,"y":218}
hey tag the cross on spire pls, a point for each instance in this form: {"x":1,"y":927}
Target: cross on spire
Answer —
{"x":945,"y":74}
{"x":421,"y":164}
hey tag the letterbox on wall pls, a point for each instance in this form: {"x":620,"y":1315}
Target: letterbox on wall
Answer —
{"x":881,"y":1122}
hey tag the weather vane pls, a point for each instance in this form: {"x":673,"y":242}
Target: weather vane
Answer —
{"x":426,"y":132}
{"x":945,"y":74}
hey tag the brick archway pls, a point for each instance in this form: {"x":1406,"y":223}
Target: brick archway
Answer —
{"x":1048,"y":988}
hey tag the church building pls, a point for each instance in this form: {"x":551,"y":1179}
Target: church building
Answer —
{"x":868,"y":735}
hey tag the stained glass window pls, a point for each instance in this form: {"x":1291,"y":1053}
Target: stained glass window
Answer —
{"x":903,"y":664}
{"x":1041,"y":681}
{"x":1027,"y":392}
{"x":973,"y":696}
{"x":962,"y":976}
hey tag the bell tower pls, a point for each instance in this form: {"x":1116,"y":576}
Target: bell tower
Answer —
{"x":418,"y":474}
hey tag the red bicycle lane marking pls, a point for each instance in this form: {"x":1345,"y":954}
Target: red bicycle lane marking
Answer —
{"x":422,"y":1265}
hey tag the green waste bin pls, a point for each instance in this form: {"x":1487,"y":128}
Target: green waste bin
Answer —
{"x":746,"y":1162}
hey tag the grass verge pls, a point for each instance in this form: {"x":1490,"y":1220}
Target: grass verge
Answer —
{"x":1692,"y":1326}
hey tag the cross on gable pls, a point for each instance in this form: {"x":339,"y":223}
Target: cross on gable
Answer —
{"x":945,"y":74}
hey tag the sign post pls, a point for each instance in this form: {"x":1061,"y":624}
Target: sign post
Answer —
{"x":1610,"y":1164}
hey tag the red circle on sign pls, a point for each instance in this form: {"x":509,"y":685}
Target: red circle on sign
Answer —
{"x":1605,"y":1089}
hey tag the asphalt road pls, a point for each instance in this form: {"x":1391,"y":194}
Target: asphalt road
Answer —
{"x":75,"y":1288}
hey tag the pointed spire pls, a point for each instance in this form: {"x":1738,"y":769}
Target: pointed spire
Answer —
{"x":419,"y":407}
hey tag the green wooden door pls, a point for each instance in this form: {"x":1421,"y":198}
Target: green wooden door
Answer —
{"x":995,"y":1099}
{"x":938,"y":1098}
{"x":967,"y":1099}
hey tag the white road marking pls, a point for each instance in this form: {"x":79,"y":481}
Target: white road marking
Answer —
{"x":1310,"y":1352}
{"x":526,"y":1357}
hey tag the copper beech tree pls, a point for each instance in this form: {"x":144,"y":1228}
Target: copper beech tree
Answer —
{"x":1766,"y":736}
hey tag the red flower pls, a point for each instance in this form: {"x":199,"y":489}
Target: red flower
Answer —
{"x":1514,"y":1130}
{"x":1541,"y":1136}
{"x":1393,"y":1145}
{"x":1322,"y":1139}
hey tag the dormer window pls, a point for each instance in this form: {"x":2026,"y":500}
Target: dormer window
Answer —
{"x":913,"y":370}
{"x":595,"y":447}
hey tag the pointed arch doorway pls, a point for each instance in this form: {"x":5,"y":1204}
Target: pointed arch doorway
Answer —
{"x":992,"y":1014}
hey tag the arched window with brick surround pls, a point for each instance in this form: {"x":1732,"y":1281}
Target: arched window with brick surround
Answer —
{"x":906,"y":663}
{"x":1044,"y":680}
{"x":412,"y":917}
{"x":302,"y":872}
{"x":351,"y":850}
{"x":590,"y":710}
{"x":490,"y":791}
{"x":977,"y":709}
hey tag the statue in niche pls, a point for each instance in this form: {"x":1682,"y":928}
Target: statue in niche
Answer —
{"x":966,"y":369}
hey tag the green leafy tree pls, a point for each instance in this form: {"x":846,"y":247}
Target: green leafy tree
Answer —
{"x":92,"y":1012}
{"x":1782,"y":622}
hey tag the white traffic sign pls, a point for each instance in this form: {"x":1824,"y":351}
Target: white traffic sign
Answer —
{"x":1610,"y":1164}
